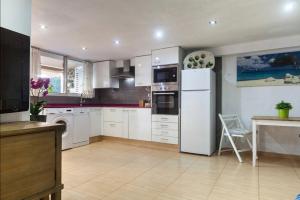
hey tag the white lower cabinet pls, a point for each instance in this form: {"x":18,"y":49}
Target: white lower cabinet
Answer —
{"x":140,"y":124}
{"x":163,"y":139}
{"x":113,"y":129}
{"x":95,"y":121}
{"x":113,"y":121}
{"x":165,"y":129}
{"x":81,"y":127}
{"x":132,"y":123}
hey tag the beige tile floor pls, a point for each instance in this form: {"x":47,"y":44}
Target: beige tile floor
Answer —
{"x":114,"y":171}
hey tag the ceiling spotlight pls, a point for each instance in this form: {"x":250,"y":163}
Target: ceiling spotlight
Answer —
{"x":84,"y":48}
{"x":117,"y":42}
{"x":159,"y":34}
{"x":289,"y":6}
{"x":43,"y":26}
{"x":212,"y":22}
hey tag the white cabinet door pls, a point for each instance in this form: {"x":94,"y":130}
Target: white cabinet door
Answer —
{"x":143,"y":71}
{"x":16,"y":16}
{"x":81,"y":127}
{"x":166,"y":56}
{"x":113,"y":115}
{"x":96,"y":122}
{"x":102,"y":72}
{"x":140,"y":124}
{"x":113,"y":129}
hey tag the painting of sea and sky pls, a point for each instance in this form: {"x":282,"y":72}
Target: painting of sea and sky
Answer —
{"x":269,"y":70}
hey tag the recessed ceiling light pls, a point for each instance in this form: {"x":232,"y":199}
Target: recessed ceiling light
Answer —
{"x":212,"y":22}
{"x":84,"y":48}
{"x":43,"y":26}
{"x":159,"y":34}
{"x":117,"y":42}
{"x":289,"y":6}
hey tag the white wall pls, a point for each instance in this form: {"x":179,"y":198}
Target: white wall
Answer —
{"x":16,"y":16}
{"x":250,"y":101}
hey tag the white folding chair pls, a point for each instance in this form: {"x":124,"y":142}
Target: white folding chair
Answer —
{"x":233,"y":128}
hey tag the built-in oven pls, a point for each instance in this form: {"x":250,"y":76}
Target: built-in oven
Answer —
{"x":165,"y":102}
{"x":165,"y":75}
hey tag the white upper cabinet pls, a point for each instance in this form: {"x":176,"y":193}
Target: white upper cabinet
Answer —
{"x":102,"y":72}
{"x":166,"y":56}
{"x":143,"y":71}
{"x":16,"y":15}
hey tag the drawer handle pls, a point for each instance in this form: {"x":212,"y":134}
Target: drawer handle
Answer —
{"x":164,"y":139}
{"x":166,"y":132}
{"x":112,"y":125}
{"x":163,"y":125}
{"x":163,"y":118}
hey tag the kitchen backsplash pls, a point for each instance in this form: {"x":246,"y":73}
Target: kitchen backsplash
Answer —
{"x":127,"y":93}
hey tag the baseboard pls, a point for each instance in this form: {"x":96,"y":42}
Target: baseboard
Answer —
{"x":138,"y":143}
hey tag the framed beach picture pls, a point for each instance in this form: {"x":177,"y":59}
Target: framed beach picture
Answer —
{"x":269,"y":69}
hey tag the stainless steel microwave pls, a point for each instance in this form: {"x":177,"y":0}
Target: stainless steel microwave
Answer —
{"x":165,"y":75}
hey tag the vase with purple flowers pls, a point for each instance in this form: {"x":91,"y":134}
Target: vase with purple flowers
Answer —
{"x":39,"y":88}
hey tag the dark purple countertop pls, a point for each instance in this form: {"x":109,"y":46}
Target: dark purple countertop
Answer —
{"x":92,"y":105}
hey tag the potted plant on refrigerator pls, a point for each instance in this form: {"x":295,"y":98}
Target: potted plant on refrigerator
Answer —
{"x":283,"y":109}
{"x":39,"y":88}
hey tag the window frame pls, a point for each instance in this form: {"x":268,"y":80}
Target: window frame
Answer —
{"x":65,"y":68}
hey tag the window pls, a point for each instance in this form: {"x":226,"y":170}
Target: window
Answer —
{"x":75,"y":76}
{"x":68,"y":76}
{"x":52,"y":66}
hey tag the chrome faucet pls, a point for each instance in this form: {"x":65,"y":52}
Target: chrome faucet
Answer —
{"x":81,"y":99}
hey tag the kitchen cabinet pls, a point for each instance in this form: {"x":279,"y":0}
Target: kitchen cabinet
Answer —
{"x":81,"y":127}
{"x":95,"y":115}
{"x":132,"y":123}
{"x":166,"y":56}
{"x":115,"y":122}
{"x":16,"y":16}
{"x":102,"y":72}
{"x":143,"y":71}
{"x":139,"y":124}
{"x":165,"y":129}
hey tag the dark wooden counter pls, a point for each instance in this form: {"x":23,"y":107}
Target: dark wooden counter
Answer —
{"x":30,"y":161}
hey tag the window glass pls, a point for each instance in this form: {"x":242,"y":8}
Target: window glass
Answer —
{"x":52,"y":67}
{"x":75,"y":76}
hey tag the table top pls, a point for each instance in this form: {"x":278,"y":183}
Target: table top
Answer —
{"x":19,"y":128}
{"x":297,"y":119}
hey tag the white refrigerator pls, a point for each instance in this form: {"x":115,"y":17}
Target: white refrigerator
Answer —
{"x":198,"y":112}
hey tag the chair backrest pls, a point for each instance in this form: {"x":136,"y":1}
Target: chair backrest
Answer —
{"x":231,"y":122}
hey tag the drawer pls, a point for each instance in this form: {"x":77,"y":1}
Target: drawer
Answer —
{"x":166,"y":133}
{"x":163,"y":139}
{"x":165,"y":126}
{"x":112,"y":129}
{"x":112,"y":115}
{"x":165,"y":118}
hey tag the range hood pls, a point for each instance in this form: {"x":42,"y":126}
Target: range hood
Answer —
{"x":123,"y":70}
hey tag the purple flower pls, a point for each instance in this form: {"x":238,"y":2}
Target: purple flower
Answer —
{"x":45,"y":93}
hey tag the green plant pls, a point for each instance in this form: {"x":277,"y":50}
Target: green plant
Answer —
{"x":284,"y":106}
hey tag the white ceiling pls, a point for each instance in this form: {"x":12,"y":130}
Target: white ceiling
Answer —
{"x":95,"y":24}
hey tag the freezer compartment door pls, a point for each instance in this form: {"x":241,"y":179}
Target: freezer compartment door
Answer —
{"x":196,"y":79}
{"x":195,"y":122}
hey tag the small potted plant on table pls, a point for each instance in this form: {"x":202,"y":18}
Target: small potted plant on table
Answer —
{"x":39,"y":88}
{"x":283,"y":109}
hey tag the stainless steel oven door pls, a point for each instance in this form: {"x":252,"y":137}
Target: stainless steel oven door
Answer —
{"x":165,"y":102}
{"x":167,"y":74}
